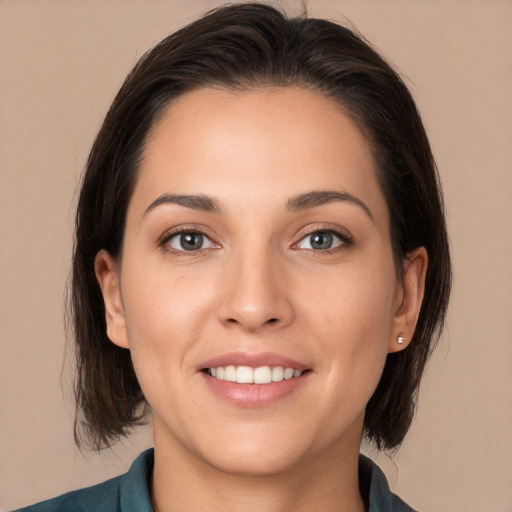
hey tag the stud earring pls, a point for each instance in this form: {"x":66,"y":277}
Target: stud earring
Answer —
{"x":400,"y":340}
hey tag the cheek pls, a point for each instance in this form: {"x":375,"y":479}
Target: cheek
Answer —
{"x":161,"y":299}
{"x":357,"y":302}
{"x":164,"y":315}
{"x":353,"y":321}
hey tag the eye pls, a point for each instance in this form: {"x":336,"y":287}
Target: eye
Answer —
{"x":321,"y":241}
{"x":189,"y":241}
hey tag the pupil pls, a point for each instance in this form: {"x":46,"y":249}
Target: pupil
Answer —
{"x":321,"y":241}
{"x":191,"y":241}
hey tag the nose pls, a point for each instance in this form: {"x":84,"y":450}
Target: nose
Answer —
{"x":255,"y":293}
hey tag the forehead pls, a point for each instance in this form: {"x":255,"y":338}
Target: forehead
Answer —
{"x":259,"y":145}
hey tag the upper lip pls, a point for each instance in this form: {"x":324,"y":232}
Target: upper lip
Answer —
{"x":252,"y":360}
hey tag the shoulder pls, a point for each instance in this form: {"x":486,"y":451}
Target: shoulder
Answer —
{"x":125,"y":493}
{"x":104,"y":497}
{"x":379,"y":497}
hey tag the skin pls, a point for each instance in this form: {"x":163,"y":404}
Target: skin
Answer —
{"x":255,"y":286}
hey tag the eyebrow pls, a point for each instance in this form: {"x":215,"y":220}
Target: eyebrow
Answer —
{"x":296,"y":203}
{"x":194,"y":201}
{"x":321,"y":197}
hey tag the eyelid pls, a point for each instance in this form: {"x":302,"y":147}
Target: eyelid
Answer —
{"x":339,"y":232}
{"x":163,"y":241}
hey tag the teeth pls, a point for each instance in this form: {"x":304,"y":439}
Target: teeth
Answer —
{"x":288,"y":373}
{"x":277,"y":373}
{"x":244,"y":375}
{"x":230,"y":373}
{"x":262,"y":375}
{"x":248,"y":375}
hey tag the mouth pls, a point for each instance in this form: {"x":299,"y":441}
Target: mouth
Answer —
{"x":249,"y":375}
{"x":254,"y":380}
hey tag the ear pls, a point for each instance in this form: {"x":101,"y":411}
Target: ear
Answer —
{"x":413,"y":289}
{"x":107,"y":274}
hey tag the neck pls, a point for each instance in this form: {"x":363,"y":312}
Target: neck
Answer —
{"x":184,"y":482}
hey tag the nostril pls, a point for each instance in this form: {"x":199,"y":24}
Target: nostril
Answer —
{"x":252,"y":321}
{"x":269,"y":321}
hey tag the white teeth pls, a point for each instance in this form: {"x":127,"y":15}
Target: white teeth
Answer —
{"x":230,"y":373}
{"x":288,"y":373}
{"x":262,"y":375}
{"x":244,"y":375}
{"x":248,"y":375}
{"x":277,"y":373}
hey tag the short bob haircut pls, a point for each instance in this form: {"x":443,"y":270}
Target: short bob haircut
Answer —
{"x":245,"y":47}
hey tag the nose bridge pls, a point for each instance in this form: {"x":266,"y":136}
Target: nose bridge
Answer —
{"x":255,"y":295}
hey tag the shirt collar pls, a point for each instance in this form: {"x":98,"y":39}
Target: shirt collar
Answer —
{"x":378,"y":497}
{"x":136,"y":484}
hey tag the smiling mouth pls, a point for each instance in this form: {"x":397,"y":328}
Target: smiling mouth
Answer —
{"x":249,"y":375}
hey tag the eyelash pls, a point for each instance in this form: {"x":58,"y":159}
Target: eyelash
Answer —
{"x":345,"y":240}
{"x":185,"y":230}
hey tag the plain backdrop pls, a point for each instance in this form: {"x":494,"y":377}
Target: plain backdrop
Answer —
{"x":62,"y":61}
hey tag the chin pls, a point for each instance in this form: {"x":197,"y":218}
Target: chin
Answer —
{"x":261,"y":463}
{"x":247,"y":451}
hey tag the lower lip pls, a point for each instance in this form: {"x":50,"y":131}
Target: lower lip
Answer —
{"x":254,"y":395}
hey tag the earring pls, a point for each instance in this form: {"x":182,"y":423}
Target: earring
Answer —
{"x":400,"y":340}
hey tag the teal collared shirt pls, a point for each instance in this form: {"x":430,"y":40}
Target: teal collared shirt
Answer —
{"x":130,"y":492}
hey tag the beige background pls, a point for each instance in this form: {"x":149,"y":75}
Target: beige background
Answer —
{"x":61,"y":62}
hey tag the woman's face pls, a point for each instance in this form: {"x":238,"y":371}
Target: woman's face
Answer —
{"x":257,"y":246}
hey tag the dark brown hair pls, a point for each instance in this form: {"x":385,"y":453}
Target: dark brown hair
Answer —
{"x":242,"y":47}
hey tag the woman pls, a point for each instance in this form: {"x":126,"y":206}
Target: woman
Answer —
{"x":261,"y":259}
